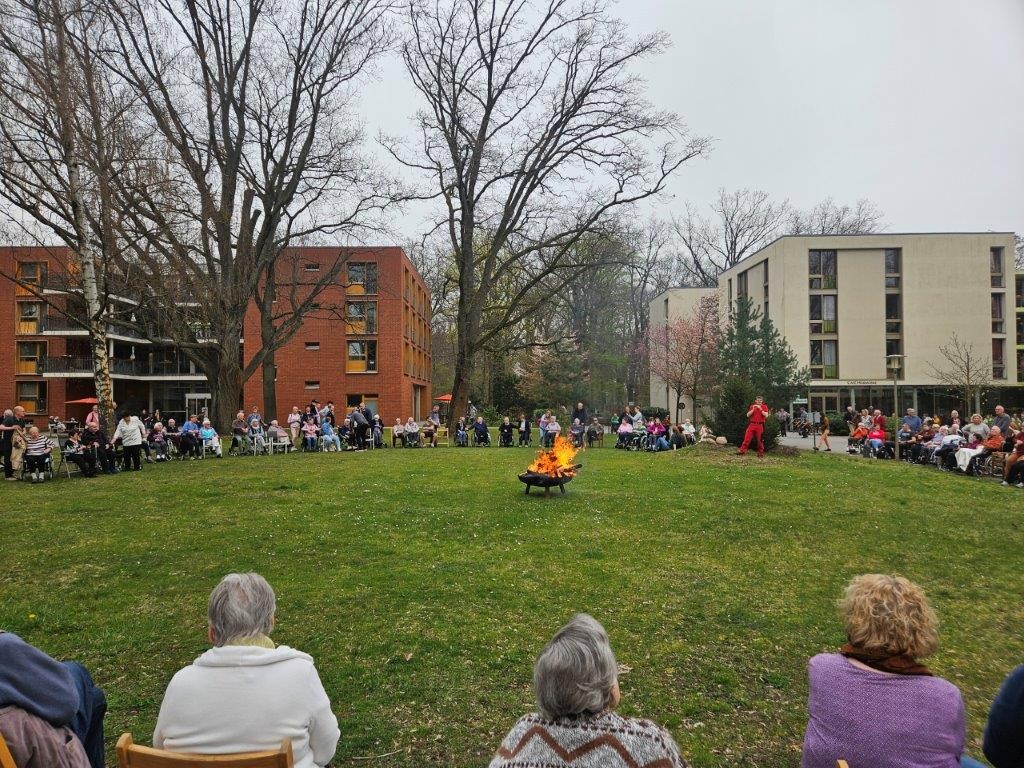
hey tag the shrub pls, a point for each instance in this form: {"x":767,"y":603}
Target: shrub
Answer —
{"x":837,"y":426}
{"x":491,"y":415}
{"x":730,"y":420}
{"x":655,"y":412}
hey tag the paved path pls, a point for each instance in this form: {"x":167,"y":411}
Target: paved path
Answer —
{"x":793,"y":440}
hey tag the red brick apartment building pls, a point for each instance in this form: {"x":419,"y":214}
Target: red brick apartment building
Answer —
{"x":369,"y":343}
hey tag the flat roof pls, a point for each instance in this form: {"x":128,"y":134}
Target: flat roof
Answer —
{"x":869,"y":234}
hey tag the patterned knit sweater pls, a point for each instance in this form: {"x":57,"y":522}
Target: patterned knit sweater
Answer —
{"x":604,"y":740}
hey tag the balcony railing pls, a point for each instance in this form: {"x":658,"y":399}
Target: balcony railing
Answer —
{"x":118,"y":366}
{"x":59,"y":323}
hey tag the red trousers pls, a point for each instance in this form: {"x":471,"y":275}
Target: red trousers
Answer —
{"x":753,"y":430}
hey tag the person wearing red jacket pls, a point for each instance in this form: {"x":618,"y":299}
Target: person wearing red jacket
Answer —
{"x":757,"y":415}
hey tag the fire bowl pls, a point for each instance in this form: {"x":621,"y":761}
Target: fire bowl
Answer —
{"x":545,"y":481}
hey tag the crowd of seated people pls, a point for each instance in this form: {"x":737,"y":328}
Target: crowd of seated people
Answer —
{"x":952,"y":445}
{"x":872,"y":701}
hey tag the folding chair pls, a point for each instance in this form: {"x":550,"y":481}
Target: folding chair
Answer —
{"x":282,"y":444}
{"x":6,"y":759}
{"x":64,"y":463}
{"x":132,"y":755}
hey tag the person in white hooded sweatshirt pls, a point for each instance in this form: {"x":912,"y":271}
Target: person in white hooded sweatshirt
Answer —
{"x":245,"y":694}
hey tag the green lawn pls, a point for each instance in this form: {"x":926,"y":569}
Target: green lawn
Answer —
{"x":425,"y":582}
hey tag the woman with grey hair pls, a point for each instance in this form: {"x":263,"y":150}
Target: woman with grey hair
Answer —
{"x":246,"y":694}
{"x":576,"y":683}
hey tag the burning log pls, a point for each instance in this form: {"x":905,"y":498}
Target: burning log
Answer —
{"x":551,"y":468}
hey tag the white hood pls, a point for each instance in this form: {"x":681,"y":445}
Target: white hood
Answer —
{"x":249,"y":656}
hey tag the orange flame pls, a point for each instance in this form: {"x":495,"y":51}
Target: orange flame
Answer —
{"x":557,"y":462}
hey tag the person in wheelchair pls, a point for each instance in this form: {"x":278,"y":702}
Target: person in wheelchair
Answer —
{"x":158,"y":441}
{"x":38,"y":455}
{"x":310,"y":431}
{"x":577,"y":430}
{"x":967,"y":459}
{"x":505,"y":430}
{"x":524,"y":430}
{"x":625,"y":434}
{"x":552,"y":431}
{"x":461,"y":434}
{"x":481,"y":434}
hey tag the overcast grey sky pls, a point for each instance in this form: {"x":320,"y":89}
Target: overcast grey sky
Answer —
{"x":917,"y":105}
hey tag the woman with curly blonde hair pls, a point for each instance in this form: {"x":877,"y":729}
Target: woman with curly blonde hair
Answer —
{"x":874,"y":703}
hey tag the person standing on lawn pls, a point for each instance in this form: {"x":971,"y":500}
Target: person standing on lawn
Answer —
{"x":757,"y":414}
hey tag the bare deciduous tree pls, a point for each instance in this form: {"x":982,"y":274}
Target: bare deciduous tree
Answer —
{"x":741,"y":223}
{"x":966,"y":370}
{"x":62,"y":122}
{"x":534,"y":132}
{"x":249,"y":105}
{"x":684,"y":354}
{"x":831,"y":218}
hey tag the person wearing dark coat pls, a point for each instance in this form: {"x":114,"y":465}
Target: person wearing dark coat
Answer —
{"x":580,"y":413}
{"x":62,"y":694}
{"x":94,"y":436}
{"x":1004,"y":732}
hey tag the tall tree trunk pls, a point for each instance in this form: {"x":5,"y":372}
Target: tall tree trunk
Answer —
{"x":85,"y":252}
{"x":270,"y":386}
{"x":225,"y":379}
{"x":267,"y":341}
{"x":460,"y":387}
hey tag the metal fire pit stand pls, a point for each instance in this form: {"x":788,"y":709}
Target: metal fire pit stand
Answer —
{"x":545,"y":481}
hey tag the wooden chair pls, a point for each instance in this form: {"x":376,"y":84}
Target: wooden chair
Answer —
{"x":443,"y":438}
{"x":842,"y":764}
{"x":131,"y":755}
{"x":6,"y":760}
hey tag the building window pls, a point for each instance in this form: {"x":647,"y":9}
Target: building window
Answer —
{"x":741,"y":285}
{"x":996,"y":266}
{"x":32,"y":272}
{"x":892,"y":261}
{"x":312,"y":385}
{"x":824,"y":359}
{"x":765,"y":286}
{"x":893,"y":264}
{"x":29,"y":314}
{"x":823,"y":313}
{"x":666,"y":309}
{"x":998,"y":358}
{"x":361,"y":316}
{"x":730,"y":292}
{"x":31,"y":396}
{"x":30,"y":357}
{"x":893,"y":347}
{"x":822,"y":269}
{"x":312,"y":346}
{"x":311,"y":267}
{"x":362,"y":357}
{"x":362,"y":275}
{"x":893,"y":314}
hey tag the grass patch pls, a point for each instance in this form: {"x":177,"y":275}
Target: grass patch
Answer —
{"x":424,"y":583}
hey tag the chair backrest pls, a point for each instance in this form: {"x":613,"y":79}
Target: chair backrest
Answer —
{"x":6,"y":759}
{"x":842,"y":764}
{"x":131,"y":755}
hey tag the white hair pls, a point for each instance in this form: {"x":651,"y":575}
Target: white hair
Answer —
{"x":242,"y":606}
{"x":576,"y":672}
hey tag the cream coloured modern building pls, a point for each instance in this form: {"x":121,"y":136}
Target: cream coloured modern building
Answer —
{"x":847,"y":302}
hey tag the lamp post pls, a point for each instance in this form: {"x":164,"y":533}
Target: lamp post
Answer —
{"x":894,"y":363}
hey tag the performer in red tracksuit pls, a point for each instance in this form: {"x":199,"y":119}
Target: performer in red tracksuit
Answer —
{"x":757,"y":413}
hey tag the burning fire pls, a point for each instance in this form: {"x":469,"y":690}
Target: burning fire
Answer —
{"x":557,"y":462}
